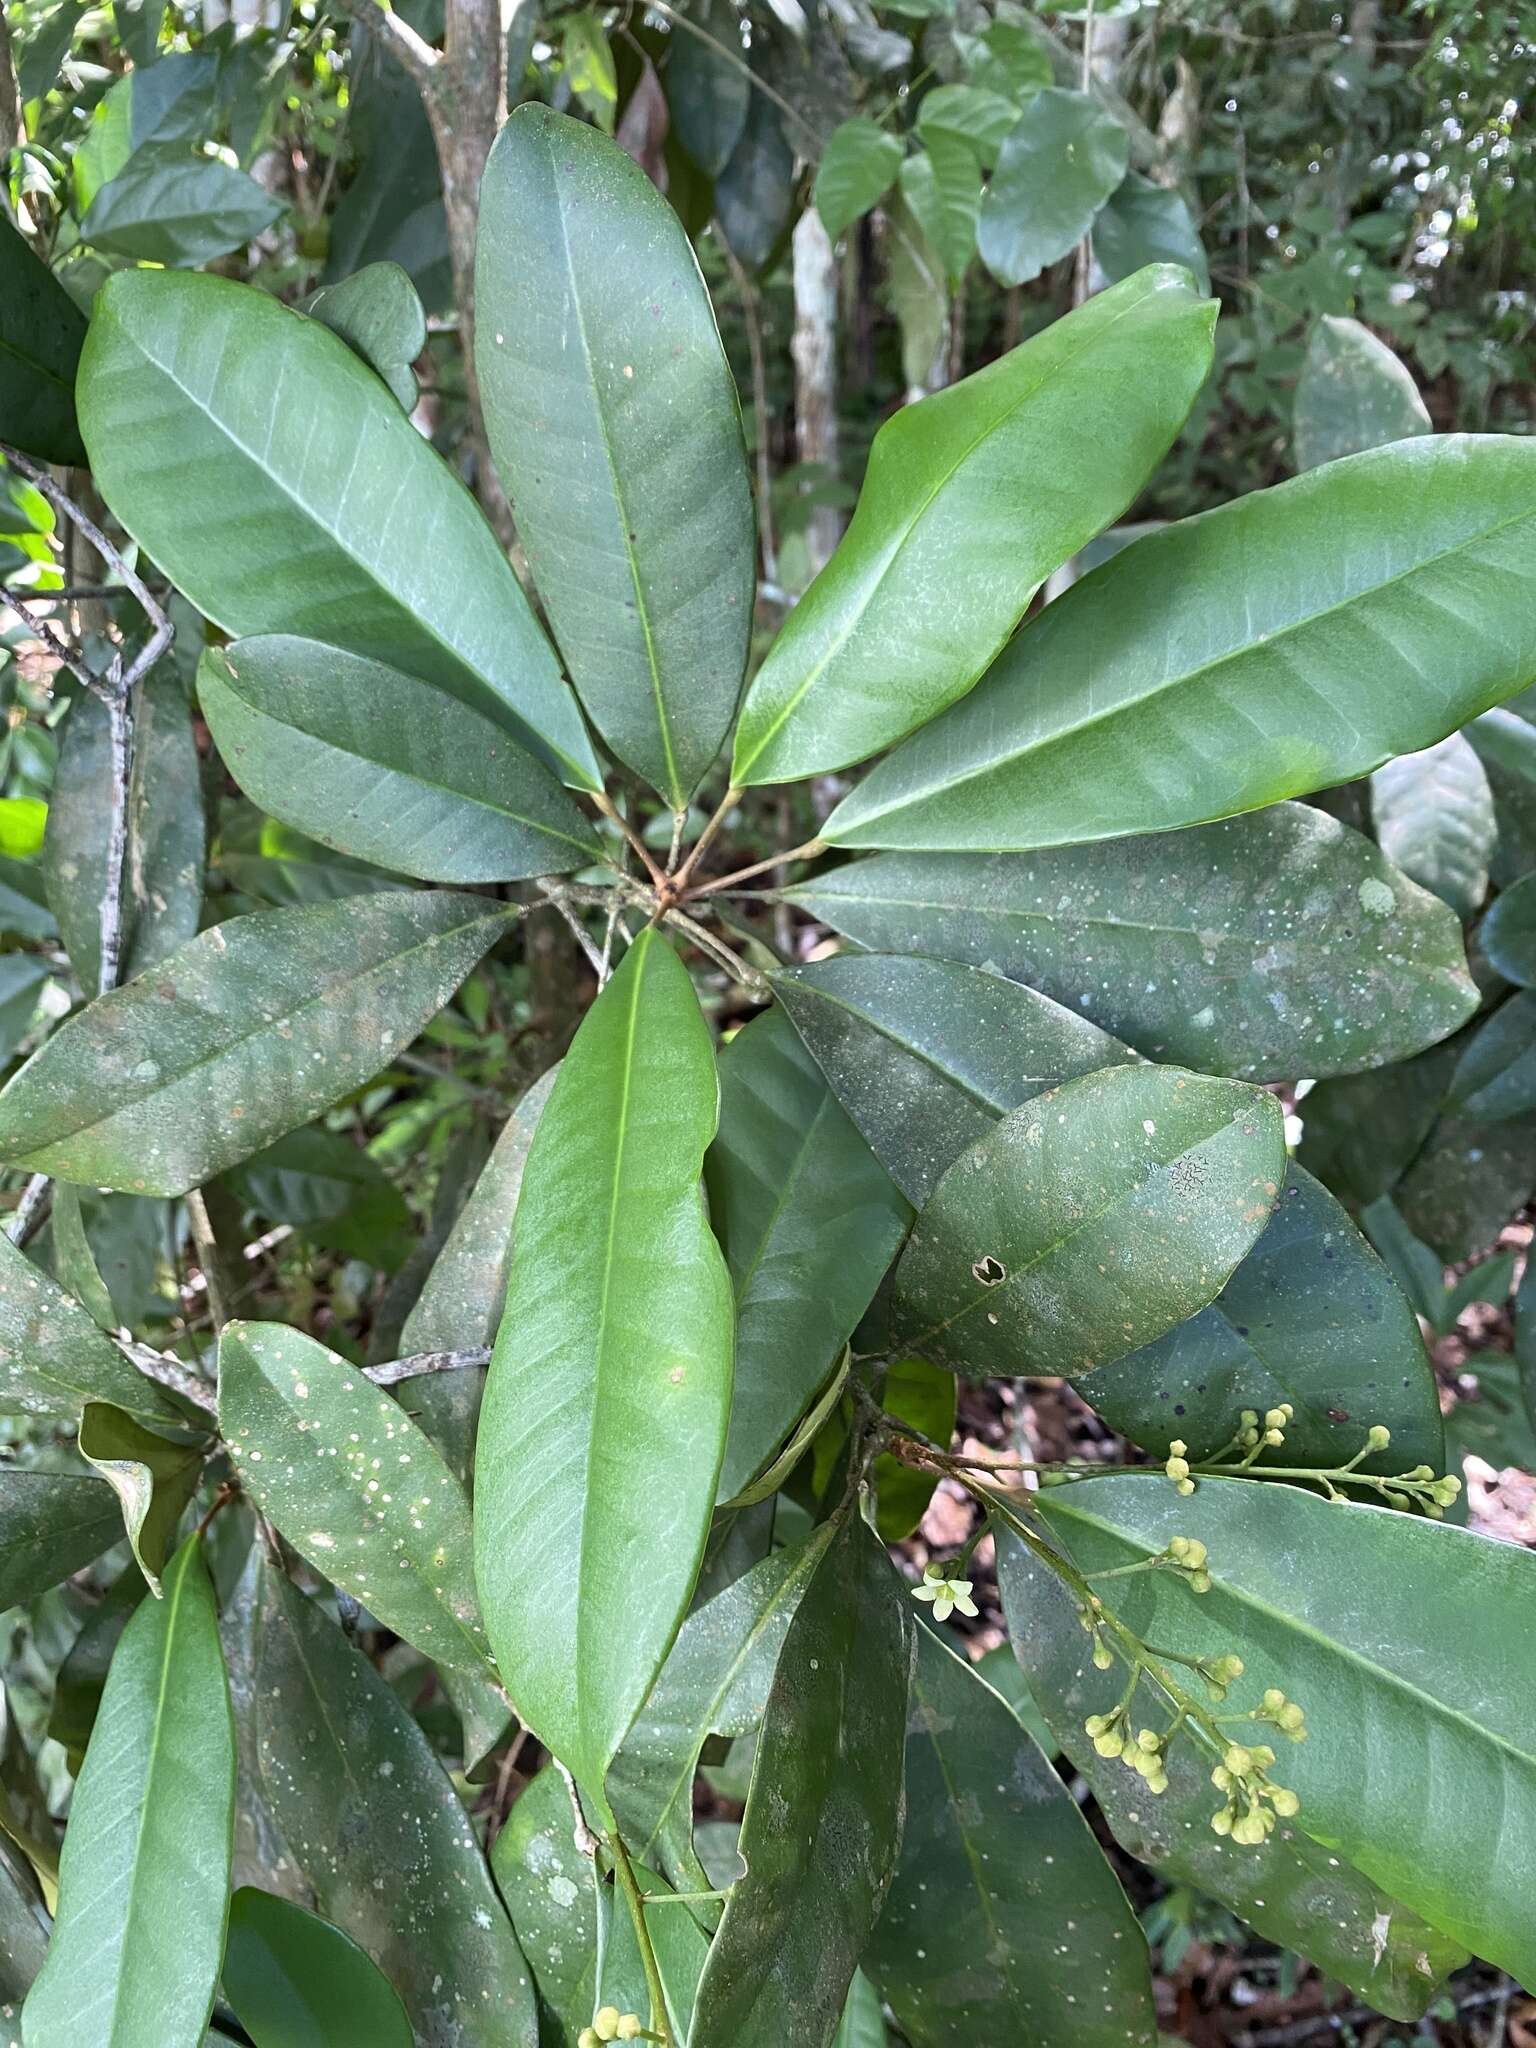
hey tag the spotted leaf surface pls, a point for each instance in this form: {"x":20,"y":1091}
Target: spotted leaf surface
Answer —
{"x":53,"y":1357}
{"x":1089,"y":1221}
{"x":350,"y":1480}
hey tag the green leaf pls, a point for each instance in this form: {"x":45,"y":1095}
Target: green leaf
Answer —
{"x":53,"y":1357}
{"x":1292,"y":1889}
{"x":1352,"y":394}
{"x":82,"y":1676}
{"x":755,"y":192}
{"x":1507,"y":934}
{"x":330,"y":1191}
{"x":355,"y":1486}
{"x":1090,"y":1221}
{"x":23,"y":820}
{"x":996,"y":1864}
{"x":858,"y":167}
{"x":1360,"y":1133}
{"x":823,"y":1823}
{"x":706,"y":96}
{"x":614,"y":1358}
{"x":1467,"y":1181}
{"x":46,"y":50}
{"x":944,"y":553}
{"x":863,"y":2023}
{"x":982,"y":120}
{"x":171,"y":204}
{"x":942,"y":186}
{"x":153,"y":1477}
{"x":716,"y":1681}
{"x":23,"y":904}
{"x":1232,"y":659}
{"x":378,"y":315}
{"x":1311,"y":1317}
{"x":553,"y":1894}
{"x":1142,"y":222}
{"x":617,"y":432}
{"x":1059,"y":164}
{"x":919,"y":297}
{"x":295,"y":1981}
{"x":926,"y":1055}
{"x":1495,"y":1077}
{"x":22,"y":979}
{"x":926,"y":1397}
{"x":1506,"y":745}
{"x":41,"y":330}
{"x":343,"y":1762}
{"x":1408,"y":1642}
{"x":589,"y":66}
{"x":809,"y":1221}
{"x":164,"y":893}
{"x":245,"y":1032}
{"x":51,"y":1523}
{"x":144,"y":1876}
{"x":282,"y":489}
{"x":1434,"y":818}
{"x":366,"y":760}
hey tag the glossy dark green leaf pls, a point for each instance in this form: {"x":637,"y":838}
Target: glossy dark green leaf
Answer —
{"x":615,"y":425}
{"x":614,"y":1356}
{"x":1507,"y":934}
{"x":373,"y":763}
{"x":23,"y":902}
{"x":271,"y":863}
{"x":1236,"y":658}
{"x":171,"y":204}
{"x":942,"y":186}
{"x":1352,"y":394}
{"x":352,"y":1483}
{"x":21,"y":983}
{"x":716,"y":1681}
{"x":919,"y":297}
{"x":755,"y":191}
{"x":926,"y":1055}
{"x":1090,"y":1221}
{"x":858,"y":167}
{"x":82,"y":1676}
{"x":944,"y":553}
{"x":53,"y":1357}
{"x":153,"y":1477}
{"x":1417,"y":1268}
{"x":1495,"y":1077}
{"x":247,"y":1031}
{"x":378,"y":315}
{"x":164,"y":895}
{"x":863,"y":2023}
{"x":144,"y":1876}
{"x":1434,"y":818}
{"x":925,"y":1397}
{"x":1410,"y":1645}
{"x":41,"y":330}
{"x":1467,"y":1181}
{"x":809,"y":1221}
{"x":1292,"y":1889}
{"x":1142,"y":222}
{"x":706,"y":96}
{"x":1505,"y":743}
{"x":1360,"y":1133}
{"x":393,"y":208}
{"x":343,"y":1762}
{"x":51,"y":1523}
{"x":284,"y":491}
{"x":295,"y":1981}
{"x":1311,"y":1317}
{"x":1004,"y":1921}
{"x":330,"y":1191}
{"x":823,"y":1823}
{"x":1059,"y":164}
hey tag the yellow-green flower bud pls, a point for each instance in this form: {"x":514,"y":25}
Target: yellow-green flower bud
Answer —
{"x":1221,"y":1821}
{"x":1178,"y":1448}
{"x":1274,"y":1436}
{"x":1185,"y":1486}
{"x":630,"y":2028}
{"x":1149,"y":1740}
{"x":1200,"y":1582}
{"x":1239,"y":1761}
{"x":1221,"y":1778}
{"x":588,"y":2038}
{"x":1103,"y":1655}
{"x":605,"y":2022}
{"x":1177,"y":1468}
{"x":1110,"y":1743}
{"x":1284,"y":1802}
{"x":1290,"y":1717}
{"x":1275,"y":1418}
{"x":1250,"y":1830}
{"x":1378,"y":1436}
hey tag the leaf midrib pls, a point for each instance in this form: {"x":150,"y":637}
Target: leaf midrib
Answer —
{"x":264,"y":1027}
{"x":1330,"y":1645}
{"x":919,"y":513}
{"x":1130,"y":706}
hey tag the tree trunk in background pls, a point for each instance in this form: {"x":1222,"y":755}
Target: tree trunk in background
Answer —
{"x":467,"y":103}
{"x":814,"y":348}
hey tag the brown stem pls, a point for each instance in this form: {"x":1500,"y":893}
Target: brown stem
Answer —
{"x":701,"y":845}
{"x":808,"y":851}
{"x":615,"y":817}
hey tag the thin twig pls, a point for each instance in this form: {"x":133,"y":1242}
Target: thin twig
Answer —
{"x":396,"y":34}
{"x":739,"y":63}
{"x":701,"y":844}
{"x":615,"y":817}
{"x":170,"y":1372}
{"x":421,"y":1362}
{"x":554,"y":896}
{"x":723,"y":955}
{"x":751,"y":320}
{"x":30,"y":1213}
{"x":586,"y":1842}
{"x":121,"y":710}
{"x":808,"y":851}
{"x":207,"y":1256}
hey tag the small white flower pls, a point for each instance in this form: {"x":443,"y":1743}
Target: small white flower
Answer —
{"x":949,"y":1596}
